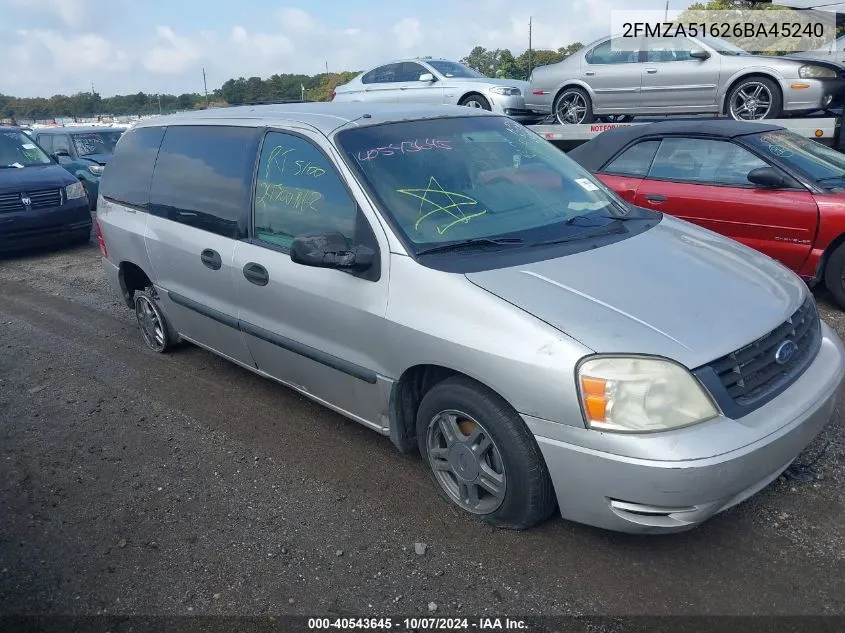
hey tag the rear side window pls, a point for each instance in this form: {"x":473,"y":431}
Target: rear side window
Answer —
{"x":634,"y":161}
{"x":203,"y":177}
{"x":127,"y":180}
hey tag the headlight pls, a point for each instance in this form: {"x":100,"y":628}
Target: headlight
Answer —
{"x":97,"y":170}
{"x":636,"y":395}
{"x":508,"y":92}
{"x":816,"y":72}
{"x":74,"y":191}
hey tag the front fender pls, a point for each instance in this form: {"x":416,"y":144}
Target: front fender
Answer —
{"x":766,"y":71}
{"x":574,"y":82}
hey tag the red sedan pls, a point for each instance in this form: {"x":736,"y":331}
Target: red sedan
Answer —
{"x":759,"y":184}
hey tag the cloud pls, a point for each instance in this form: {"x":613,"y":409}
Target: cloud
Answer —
{"x":409,"y":33}
{"x":68,"y":13}
{"x":173,"y":54}
{"x":79,"y":53}
{"x":56,"y":48}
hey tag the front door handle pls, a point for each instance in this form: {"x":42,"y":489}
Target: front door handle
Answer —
{"x":256,"y":274}
{"x":589,"y":73}
{"x":211,"y":259}
{"x":651,"y":71}
{"x":655,"y":197}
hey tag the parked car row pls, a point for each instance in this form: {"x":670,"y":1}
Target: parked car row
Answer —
{"x":49,"y":181}
{"x":759,"y":184}
{"x":621,"y":77}
{"x":449,"y":279}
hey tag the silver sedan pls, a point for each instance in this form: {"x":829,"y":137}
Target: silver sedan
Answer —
{"x":677,"y":75}
{"x":430,"y":81}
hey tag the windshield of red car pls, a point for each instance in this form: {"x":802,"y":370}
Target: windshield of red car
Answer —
{"x":821,"y":163}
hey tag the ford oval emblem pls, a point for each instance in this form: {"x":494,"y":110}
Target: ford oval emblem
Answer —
{"x":785,"y":352}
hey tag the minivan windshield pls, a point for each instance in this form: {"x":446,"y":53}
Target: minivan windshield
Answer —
{"x":19,"y":150}
{"x":821,"y":163}
{"x":90,"y":143}
{"x":477,"y":180}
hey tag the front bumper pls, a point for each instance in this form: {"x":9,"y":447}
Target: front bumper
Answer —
{"x":821,"y":94}
{"x":21,"y":230}
{"x":658,"y":494}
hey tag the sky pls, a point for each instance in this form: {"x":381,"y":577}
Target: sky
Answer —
{"x":52,"y":47}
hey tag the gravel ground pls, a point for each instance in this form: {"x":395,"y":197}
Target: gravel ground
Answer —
{"x":139,"y":484}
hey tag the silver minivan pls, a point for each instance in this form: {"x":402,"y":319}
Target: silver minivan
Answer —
{"x":447,"y":278}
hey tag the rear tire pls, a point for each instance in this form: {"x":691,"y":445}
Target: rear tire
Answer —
{"x":475,"y":101}
{"x":834,"y":275}
{"x":481,"y":456}
{"x":156,"y":330}
{"x":573,"y":106}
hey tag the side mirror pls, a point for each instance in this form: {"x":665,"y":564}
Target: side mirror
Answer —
{"x":699,"y":54}
{"x":61,"y":152}
{"x":768,"y":177}
{"x":426,"y":77}
{"x":330,"y":251}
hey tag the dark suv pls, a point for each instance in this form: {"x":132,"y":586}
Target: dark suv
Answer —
{"x":83,"y":151}
{"x":40,"y":202}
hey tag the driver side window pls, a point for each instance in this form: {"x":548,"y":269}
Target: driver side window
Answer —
{"x":61,"y":142}
{"x":299,"y":192}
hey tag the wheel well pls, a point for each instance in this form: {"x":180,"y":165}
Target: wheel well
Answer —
{"x":132,"y":278}
{"x":405,"y":399}
{"x":836,"y":243}
{"x":473,"y":93}
{"x":567,"y":87}
{"x":743,"y":78}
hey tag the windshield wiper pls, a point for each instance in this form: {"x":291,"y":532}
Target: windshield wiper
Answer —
{"x":600,"y":230}
{"x":478,"y":241}
{"x":621,"y":218}
{"x":829,"y":178}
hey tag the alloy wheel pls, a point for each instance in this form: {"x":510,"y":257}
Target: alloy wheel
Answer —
{"x":150,"y":322}
{"x":466,"y":462}
{"x":753,"y":101}
{"x":571,"y":108}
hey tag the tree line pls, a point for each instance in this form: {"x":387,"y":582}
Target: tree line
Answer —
{"x":274,"y":89}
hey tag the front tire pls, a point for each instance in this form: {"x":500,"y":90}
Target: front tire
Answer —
{"x":834,"y":275}
{"x":475,"y":101}
{"x":755,"y":99}
{"x":573,"y":106}
{"x":156,"y":330}
{"x":481,"y":456}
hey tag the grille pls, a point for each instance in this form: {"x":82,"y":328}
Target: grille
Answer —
{"x":44,"y":198}
{"x":40,"y":199}
{"x":10,"y":202}
{"x":751,"y":373}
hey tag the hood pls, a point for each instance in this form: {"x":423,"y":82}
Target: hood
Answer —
{"x":675,"y":290}
{"x":35,"y":177}
{"x":101,"y":159}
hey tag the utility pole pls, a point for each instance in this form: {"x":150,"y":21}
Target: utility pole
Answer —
{"x":327,"y":67}
{"x":205,"y":85}
{"x":529,"y":46}
{"x":93,"y":92}
{"x":666,"y":13}
{"x":159,"y":104}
